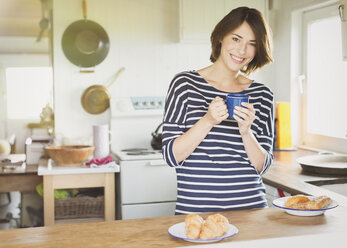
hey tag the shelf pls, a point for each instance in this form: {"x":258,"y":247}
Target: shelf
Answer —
{"x":78,"y":220}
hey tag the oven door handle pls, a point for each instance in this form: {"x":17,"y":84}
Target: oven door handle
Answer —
{"x":157,"y":162}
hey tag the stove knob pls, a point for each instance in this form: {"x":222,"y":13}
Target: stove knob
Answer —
{"x":146,"y":103}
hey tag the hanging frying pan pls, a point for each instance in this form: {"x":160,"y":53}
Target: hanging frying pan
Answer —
{"x":85,"y":43}
{"x":96,"y":98}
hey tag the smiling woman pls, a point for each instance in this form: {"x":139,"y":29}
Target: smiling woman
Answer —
{"x":219,"y":161}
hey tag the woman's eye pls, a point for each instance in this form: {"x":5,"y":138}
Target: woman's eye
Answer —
{"x":235,"y":39}
{"x":253,"y":44}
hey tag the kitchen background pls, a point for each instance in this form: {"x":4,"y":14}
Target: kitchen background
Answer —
{"x":146,"y":37}
{"x":152,"y":39}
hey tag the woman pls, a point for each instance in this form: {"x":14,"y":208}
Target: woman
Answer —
{"x":219,"y":162}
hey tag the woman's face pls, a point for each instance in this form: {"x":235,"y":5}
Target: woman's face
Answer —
{"x":238,"y":48}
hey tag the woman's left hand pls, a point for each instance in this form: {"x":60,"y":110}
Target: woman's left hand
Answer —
{"x":247,"y":113}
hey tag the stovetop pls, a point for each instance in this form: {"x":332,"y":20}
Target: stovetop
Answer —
{"x":138,"y":154}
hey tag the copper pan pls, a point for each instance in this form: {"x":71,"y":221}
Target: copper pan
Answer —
{"x":96,"y":98}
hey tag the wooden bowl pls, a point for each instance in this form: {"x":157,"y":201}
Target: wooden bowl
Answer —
{"x":69,"y":155}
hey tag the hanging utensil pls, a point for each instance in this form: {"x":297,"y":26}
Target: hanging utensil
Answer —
{"x":96,"y":98}
{"x":85,"y":43}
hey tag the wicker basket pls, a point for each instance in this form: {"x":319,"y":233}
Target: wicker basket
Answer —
{"x":79,"y":207}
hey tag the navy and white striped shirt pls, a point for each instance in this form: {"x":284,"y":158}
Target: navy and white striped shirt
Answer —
{"x":218,"y":175}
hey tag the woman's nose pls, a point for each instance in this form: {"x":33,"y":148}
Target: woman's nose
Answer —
{"x":242,"y":48}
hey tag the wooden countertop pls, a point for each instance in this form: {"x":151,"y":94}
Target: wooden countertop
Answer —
{"x":285,"y":173}
{"x":23,"y":179}
{"x":153,"y":232}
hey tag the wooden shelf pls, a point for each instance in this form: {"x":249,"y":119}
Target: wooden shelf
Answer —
{"x":78,"y":220}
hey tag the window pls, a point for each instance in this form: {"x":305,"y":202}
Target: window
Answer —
{"x":324,"y":113}
{"x":28,"y":90}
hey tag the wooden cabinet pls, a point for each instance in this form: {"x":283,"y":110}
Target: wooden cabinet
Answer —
{"x":199,"y":17}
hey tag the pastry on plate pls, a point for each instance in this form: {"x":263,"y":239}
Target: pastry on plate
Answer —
{"x":194,"y":224}
{"x":316,"y":203}
{"x":295,"y":200}
{"x":215,"y":226}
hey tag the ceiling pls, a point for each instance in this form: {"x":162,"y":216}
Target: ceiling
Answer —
{"x":21,"y":17}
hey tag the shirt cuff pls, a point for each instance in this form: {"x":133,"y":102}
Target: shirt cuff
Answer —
{"x":169,"y":156}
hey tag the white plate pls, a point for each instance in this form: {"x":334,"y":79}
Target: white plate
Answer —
{"x":279,"y":202}
{"x":179,"y":231}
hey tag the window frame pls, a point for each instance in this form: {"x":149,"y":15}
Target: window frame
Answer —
{"x":309,"y":139}
{"x":17,"y":60}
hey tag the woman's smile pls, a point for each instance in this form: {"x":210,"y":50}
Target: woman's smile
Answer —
{"x":236,"y":59}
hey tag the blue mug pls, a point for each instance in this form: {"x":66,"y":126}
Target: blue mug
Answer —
{"x":234,"y":100}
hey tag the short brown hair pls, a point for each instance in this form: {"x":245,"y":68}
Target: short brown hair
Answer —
{"x":256,"y":21}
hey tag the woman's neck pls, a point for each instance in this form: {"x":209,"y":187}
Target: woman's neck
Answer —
{"x":223,"y":79}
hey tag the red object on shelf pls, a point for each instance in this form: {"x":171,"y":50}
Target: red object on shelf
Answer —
{"x":280,"y":193}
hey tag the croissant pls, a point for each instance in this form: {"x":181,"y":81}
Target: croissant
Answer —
{"x":320,"y":202}
{"x":302,"y":202}
{"x":215,"y":226}
{"x":296,"y":200}
{"x":194,"y":224}
{"x":317,"y":203}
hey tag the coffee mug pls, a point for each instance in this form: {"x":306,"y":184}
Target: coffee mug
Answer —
{"x":234,"y":100}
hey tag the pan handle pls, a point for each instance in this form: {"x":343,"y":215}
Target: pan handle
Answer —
{"x":115,"y":77}
{"x":83,"y":70}
{"x":84,"y":6}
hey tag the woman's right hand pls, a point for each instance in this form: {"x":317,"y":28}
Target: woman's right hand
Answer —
{"x":217,"y":111}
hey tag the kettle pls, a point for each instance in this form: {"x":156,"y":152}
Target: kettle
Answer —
{"x":156,"y":141}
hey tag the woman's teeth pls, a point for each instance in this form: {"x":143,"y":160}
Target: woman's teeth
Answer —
{"x":237,"y":58}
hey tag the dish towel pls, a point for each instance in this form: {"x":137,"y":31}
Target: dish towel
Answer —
{"x":106,"y":162}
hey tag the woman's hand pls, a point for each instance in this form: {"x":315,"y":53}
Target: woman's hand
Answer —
{"x":247,"y":113}
{"x":217,"y":111}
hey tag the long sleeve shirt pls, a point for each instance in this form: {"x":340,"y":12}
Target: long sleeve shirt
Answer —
{"x":217,"y":176}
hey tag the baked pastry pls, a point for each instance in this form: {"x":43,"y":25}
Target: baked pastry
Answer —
{"x":194,"y":224}
{"x":215,"y":226}
{"x":319,"y":202}
{"x":296,"y":200}
{"x":316,"y":203}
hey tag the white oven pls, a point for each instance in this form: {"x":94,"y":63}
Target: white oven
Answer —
{"x":146,"y":185}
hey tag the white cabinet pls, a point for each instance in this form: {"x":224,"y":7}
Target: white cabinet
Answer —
{"x":148,"y":210}
{"x":199,"y":17}
{"x":148,"y":188}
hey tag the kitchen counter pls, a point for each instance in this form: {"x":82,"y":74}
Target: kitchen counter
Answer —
{"x":286,"y":174}
{"x":153,"y":232}
{"x":269,"y":223}
{"x":21,"y":178}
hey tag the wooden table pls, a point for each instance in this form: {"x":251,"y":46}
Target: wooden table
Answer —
{"x":21,"y":179}
{"x":58,"y":177}
{"x":153,"y":232}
